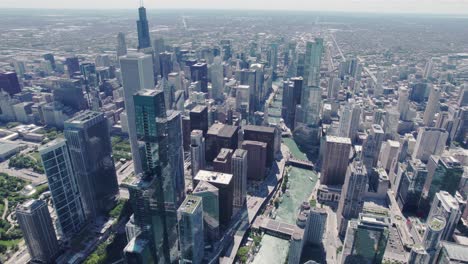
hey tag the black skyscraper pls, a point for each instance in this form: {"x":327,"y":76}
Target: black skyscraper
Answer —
{"x":143,"y":30}
{"x":9,"y":83}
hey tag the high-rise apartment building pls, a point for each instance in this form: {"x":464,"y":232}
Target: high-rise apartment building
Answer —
{"x":63,"y":187}
{"x":39,"y":234}
{"x":88,"y":140}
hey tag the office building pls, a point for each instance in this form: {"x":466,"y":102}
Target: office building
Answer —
{"x":256,"y":159}
{"x":72,"y":65}
{"x":452,"y":253}
{"x":239,"y":173}
{"x":269,"y":135}
{"x":372,"y":145}
{"x":388,"y":152}
{"x":222,"y":163}
{"x":197,"y":151}
{"x":335,"y":160}
{"x":63,"y":187}
{"x":144,"y":40}
{"x":446,"y":206}
{"x":166,"y":63}
{"x":430,"y":141}
{"x":433,"y":235}
{"x":411,"y":186}
{"x":352,"y":195}
{"x":199,"y":73}
{"x":316,"y":225}
{"x":432,"y":107}
{"x":121,"y":45}
{"x":210,"y":195}
{"x":88,"y":140}
{"x":225,"y":184}
{"x":137,"y":74}
{"x":191,"y":232}
{"x":199,"y":119}
{"x":444,"y":174}
{"x":138,"y":250}
{"x":9,"y":83}
{"x":70,"y":94}
{"x":296,"y":245}
{"x":366,"y":239}
{"x":220,"y":136}
{"x":39,"y":234}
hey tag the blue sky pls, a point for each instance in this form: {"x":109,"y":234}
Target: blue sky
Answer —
{"x":391,"y":6}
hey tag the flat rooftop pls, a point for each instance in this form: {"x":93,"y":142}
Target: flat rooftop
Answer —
{"x":198,"y":109}
{"x":83,"y":117}
{"x":190,"y":203}
{"x":214,"y":177}
{"x":263,"y":129}
{"x":341,"y":140}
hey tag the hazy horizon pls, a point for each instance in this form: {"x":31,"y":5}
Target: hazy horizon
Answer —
{"x":456,"y":7}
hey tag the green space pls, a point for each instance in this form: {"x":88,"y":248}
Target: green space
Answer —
{"x":50,"y":134}
{"x":21,"y":161}
{"x":9,"y":188}
{"x":108,"y":252}
{"x":121,"y":210}
{"x":121,"y":149}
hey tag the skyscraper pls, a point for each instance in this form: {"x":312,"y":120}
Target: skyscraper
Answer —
{"x":9,"y":83}
{"x":176,"y":151}
{"x":63,"y":187}
{"x":121,"y":45}
{"x":137,"y":74}
{"x":435,"y":227}
{"x":155,"y":196}
{"x":199,"y":73}
{"x":225,"y":184}
{"x":39,"y":234}
{"x":432,"y":107}
{"x":316,"y":225}
{"x":256,"y":159}
{"x":73,"y":65}
{"x":366,"y":239}
{"x":88,"y":140}
{"x":335,"y":160}
{"x":446,"y":206}
{"x":351,"y":200}
{"x":372,"y":145}
{"x":223,"y":162}
{"x":199,"y":119}
{"x":191,"y":232}
{"x":239,"y":172}
{"x":197,"y":151}
{"x":210,"y":195}
{"x":430,"y":141}
{"x":144,"y":40}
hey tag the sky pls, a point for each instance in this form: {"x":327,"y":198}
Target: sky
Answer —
{"x":380,"y":6}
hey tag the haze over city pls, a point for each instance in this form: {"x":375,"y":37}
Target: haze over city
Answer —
{"x":234,"y":132}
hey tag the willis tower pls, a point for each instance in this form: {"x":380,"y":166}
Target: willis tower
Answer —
{"x":143,"y":29}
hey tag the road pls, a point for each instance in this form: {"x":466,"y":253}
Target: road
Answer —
{"x":20,"y":256}
{"x":5,"y":210}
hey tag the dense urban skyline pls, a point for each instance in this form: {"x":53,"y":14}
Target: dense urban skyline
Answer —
{"x":372,"y":6}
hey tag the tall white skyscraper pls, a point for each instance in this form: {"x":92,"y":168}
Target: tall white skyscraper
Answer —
{"x":432,"y":107}
{"x":217,"y":78}
{"x":137,"y":74}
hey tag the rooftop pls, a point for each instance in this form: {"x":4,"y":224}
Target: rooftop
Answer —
{"x":190,"y":203}
{"x":198,"y":109}
{"x":342,"y":140}
{"x":204,"y":186}
{"x":214,"y":177}
{"x":264,"y":129}
{"x":456,"y":252}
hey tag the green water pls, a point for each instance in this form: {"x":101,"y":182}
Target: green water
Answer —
{"x":274,"y":250}
{"x":294,"y":149}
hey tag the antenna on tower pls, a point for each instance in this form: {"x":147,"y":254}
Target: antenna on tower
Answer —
{"x":141,"y":3}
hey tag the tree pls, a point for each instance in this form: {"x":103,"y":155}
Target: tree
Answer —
{"x":3,"y":248}
{"x":242,"y":254}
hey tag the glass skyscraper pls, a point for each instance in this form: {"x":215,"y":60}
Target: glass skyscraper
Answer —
{"x":63,"y":187}
{"x":144,"y":40}
{"x":190,"y":217}
{"x":90,"y":148}
{"x":155,"y":196}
